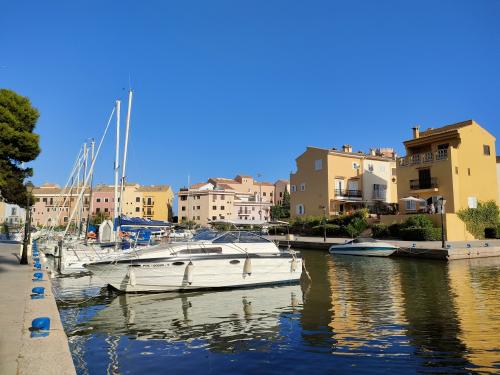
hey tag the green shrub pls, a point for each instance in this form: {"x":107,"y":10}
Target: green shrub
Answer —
{"x":331,"y":230}
{"x":394,"y":230}
{"x":486,"y":215}
{"x":418,"y":221}
{"x":380,"y":231}
{"x":420,"y":234}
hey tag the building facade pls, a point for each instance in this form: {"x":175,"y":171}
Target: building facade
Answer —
{"x":241,"y":199}
{"x":153,"y":202}
{"x":331,"y":181}
{"x":456,"y":162}
{"x":11,"y":214}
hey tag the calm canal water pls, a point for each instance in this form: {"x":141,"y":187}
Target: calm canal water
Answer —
{"x":356,"y":315}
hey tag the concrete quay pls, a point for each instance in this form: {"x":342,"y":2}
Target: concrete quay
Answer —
{"x":412,"y":249}
{"x":19,"y":353}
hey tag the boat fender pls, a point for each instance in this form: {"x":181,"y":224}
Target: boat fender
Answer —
{"x":247,"y":267}
{"x":189,"y":272}
{"x":131,"y":277}
{"x":293,"y":265}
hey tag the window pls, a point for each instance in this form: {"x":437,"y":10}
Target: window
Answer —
{"x":106,"y":199}
{"x":183,"y":218}
{"x":44,"y":200}
{"x":137,"y":199}
{"x":472,"y":202}
{"x":411,"y":206}
{"x":214,"y":207}
{"x":106,"y":210}
{"x":214,"y":217}
{"x":222,"y":208}
{"x":37,"y":200}
{"x":486,"y":150}
{"x":293,"y":188}
{"x":97,"y":209}
{"x":370,"y":167}
{"x":222,"y":197}
{"x":137,"y":209}
{"x":355,"y":165}
{"x":183,"y":197}
{"x":468,"y":171}
{"x":225,"y":238}
{"x":197,"y":218}
{"x":183,"y":208}
{"x":65,"y":219}
{"x":194,"y":208}
{"x":281,"y":194}
{"x":264,"y":194}
{"x":198,"y":207}
{"x":299,"y":209}
{"x":318,"y":164}
{"x":303,"y":186}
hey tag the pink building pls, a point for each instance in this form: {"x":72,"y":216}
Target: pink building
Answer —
{"x":103,"y":200}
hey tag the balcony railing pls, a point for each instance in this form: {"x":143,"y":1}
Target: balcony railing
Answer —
{"x":428,"y":183}
{"x":348,"y":193}
{"x":423,"y":158}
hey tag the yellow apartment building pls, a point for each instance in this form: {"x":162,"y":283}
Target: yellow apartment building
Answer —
{"x":132,"y":200}
{"x":456,"y":162}
{"x":157,"y":202}
{"x":335,"y":181}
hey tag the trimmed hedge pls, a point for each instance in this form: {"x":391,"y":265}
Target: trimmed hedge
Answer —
{"x":420,"y":234}
{"x":380,"y":231}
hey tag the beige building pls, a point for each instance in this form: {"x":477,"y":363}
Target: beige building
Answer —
{"x":241,"y":199}
{"x":335,"y":181}
{"x":456,"y":162}
{"x":280,"y":187}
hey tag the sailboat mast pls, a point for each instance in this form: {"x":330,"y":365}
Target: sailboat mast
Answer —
{"x":124,"y":164}
{"x":117,"y":159}
{"x":91,"y":173}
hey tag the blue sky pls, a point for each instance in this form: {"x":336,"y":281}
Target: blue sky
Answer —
{"x":228,"y":87}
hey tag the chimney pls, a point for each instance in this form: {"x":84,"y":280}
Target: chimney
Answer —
{"x":416,"y":132}
{"x":347,"y":148}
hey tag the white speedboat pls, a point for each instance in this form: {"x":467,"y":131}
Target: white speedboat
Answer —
{"x":364,"y":246}
{"x":213,"y":260}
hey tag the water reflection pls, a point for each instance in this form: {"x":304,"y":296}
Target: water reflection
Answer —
{"x":225,"y":321}
{"x":362,"y":314}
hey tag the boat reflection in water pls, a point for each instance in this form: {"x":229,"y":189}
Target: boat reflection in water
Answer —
{"x":220,"y":321}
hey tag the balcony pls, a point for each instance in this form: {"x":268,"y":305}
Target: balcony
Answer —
{"x":348,"y":193}
{"x":423,"y":158}
{"x":428,"y":183}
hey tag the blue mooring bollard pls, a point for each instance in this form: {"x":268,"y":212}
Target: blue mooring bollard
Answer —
{"x":36,"y":260}
{"x":38,"y":292}
{"x":37,"y":266}
{"x":40,"y":327}
{"x":37,"y":276}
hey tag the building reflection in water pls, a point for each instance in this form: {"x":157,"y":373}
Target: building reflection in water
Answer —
{"x":475,"y":287}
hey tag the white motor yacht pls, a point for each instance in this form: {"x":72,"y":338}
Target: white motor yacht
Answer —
{"x":212,"y":260}
{"x":364,"y":246}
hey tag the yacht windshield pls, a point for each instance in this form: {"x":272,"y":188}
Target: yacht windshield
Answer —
{"x":206,"y":235}
{"x":240,"y":237}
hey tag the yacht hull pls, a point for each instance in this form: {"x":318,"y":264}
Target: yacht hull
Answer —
{"x":179,"y":274}
{"x":379,"y":251}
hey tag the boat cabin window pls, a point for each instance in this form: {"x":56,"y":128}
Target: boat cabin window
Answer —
{"x":206,"y":250}
{"x":362,"y":240}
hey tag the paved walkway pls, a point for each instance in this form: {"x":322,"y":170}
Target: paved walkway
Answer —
{"x":19,"y":353}
{"x":403,"y":244}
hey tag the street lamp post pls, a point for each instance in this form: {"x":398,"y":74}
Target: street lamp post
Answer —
{"x":260,"y":196}
{"x":442,"y":203}
{"x":324,"y":222}
{"x":27,"y":224}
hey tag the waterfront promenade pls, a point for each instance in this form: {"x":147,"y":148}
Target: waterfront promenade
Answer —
{"x":415,"y":249}
{"x":19,"y":353}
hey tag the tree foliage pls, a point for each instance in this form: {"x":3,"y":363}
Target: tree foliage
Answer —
{"x":18,"y":144}
{"x":282,"y":211}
